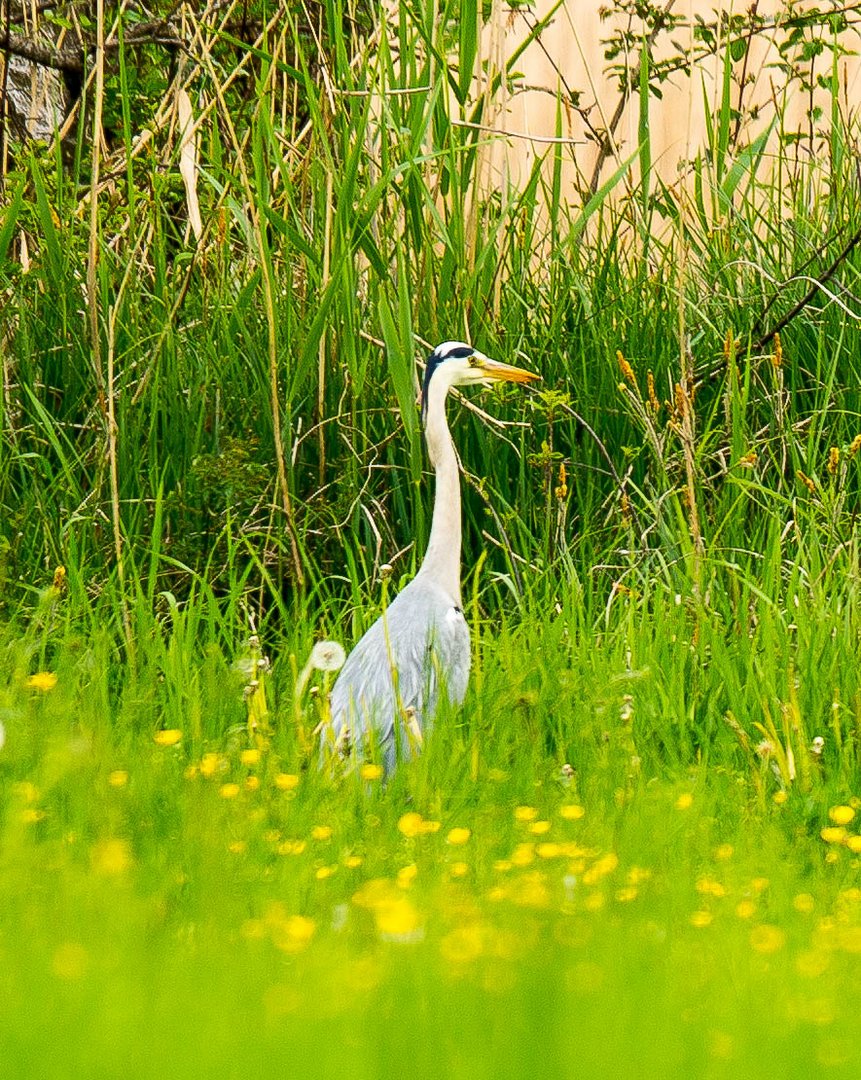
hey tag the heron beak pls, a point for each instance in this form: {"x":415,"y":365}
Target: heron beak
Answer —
{"x":498,"y":372}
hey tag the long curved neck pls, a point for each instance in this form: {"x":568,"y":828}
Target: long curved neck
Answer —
{"x":442,"y":559}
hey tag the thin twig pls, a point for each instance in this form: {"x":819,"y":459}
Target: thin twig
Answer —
{"x":808,"y":296}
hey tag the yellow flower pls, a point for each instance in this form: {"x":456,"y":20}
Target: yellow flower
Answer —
{"x":167,"y":737}
{"x":539,"y":827}
{"x":700,"y":919}
{"x":464,"y":944}
{"x":600,"y":868}
{"x":291,"y":847}
{"x":523,"y":854}
{"x":321,"y":832}
{"x":571,"y":811}
{"x":724,"y":852}
{"x":804,"y":903}
{"x":325,"y":872}
{"x":767,"y":939}
{"x":709,"y":887}
{"x":779,"y":798}
{"x":70,"y":961}
{"x":458,"y":836}
{"x":525,"y":813}
{"x":745,"y":909}
{"x":833,"y":834}
{"x":854,"y":844}
{"x":430,"y":826}
{"x":410,"y":824}
{"x":396,"y":917}
{"x":286,"y":781}
{"x":229,"y":791}
{"x":352,"y":862}
{"x":459,"y":869}
{"x":118,"y":778}
{"x":548,"y":850}
{"x":406,"y":875}
{"x":252,"y":783}
{"x":371,"y":772}
{"x":841,"y":815}
{"x":293,"y":933}
{"x":850,"y":939}
{"x":685,"y":801}
{"x":111,"y":858}
{"x":398,"y":920}
{"x":626,"y":893}
{"x":208,"y":765}
{"x":811,"y":964}
{"x":43,"y":681}
{"x":530,"y":890}
{"x":237,"y":847}
{"x":253,"y":929}
{"x":250,"y":756}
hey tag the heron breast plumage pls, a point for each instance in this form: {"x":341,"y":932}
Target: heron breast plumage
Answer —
{"x":389,"y":688}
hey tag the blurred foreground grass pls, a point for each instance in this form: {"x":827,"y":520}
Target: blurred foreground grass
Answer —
{"x":189,"y":901}
{"x":634,"y":852}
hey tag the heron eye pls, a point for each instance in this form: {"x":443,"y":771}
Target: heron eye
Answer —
{"x":473,"y":361}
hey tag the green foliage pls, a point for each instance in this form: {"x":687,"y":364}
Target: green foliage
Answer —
{"x":661,"y":572}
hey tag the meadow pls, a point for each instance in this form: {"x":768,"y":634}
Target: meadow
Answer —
{"x":636,"y":850}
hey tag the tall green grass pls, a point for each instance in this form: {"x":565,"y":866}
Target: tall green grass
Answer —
{"x":661,"y":570}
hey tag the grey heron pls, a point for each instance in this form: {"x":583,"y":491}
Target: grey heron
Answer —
{"x":386,"y":694}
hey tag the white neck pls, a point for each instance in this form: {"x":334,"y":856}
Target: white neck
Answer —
{"x":442,"y":558}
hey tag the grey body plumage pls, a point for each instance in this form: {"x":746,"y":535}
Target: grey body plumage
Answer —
{"x":386,"y":695}
{"x":422,"y":643}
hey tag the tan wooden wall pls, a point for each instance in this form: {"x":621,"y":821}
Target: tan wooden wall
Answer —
{"x":572,"y":47}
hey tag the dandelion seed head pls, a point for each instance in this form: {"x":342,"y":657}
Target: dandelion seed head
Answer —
{"x":327,"y":656}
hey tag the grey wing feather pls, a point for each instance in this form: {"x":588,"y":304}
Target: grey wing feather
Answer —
{"x":419,"y":645}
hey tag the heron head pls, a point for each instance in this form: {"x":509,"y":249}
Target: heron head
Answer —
{"x":458,"y":364}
